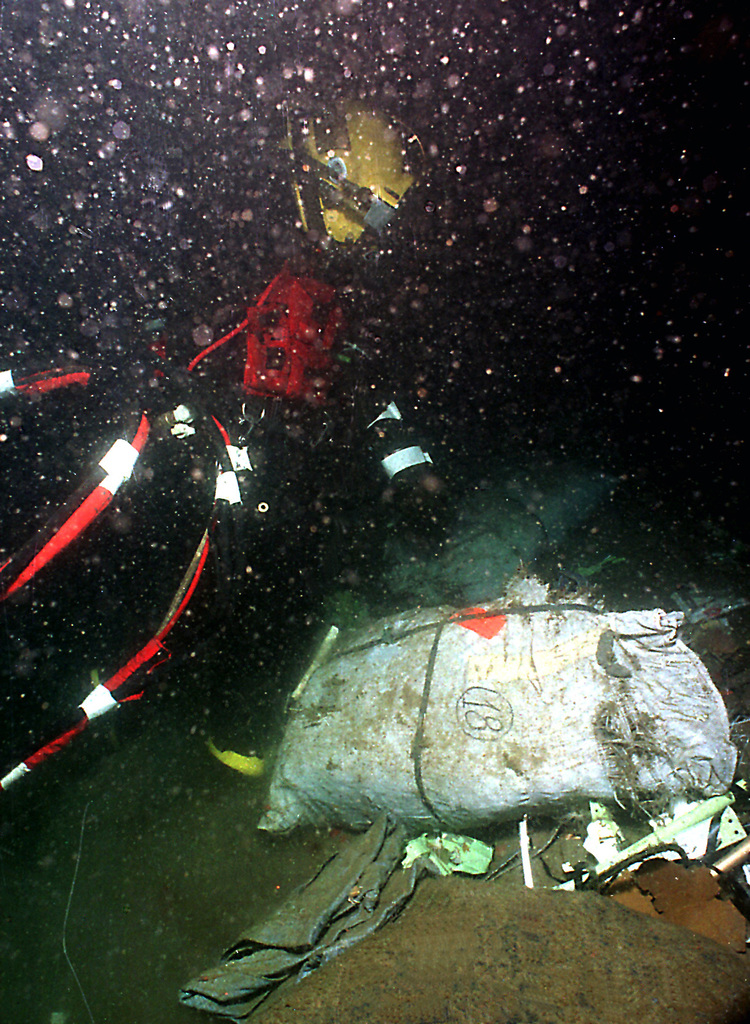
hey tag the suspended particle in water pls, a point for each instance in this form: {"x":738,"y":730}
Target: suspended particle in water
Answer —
{"x":39,"y":131}
{"x":203,"y":336}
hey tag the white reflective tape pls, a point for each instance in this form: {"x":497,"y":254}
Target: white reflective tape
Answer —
{"x":118,"y":464}
{"x":6,"y":381}
{"x":239,"y":458}
{"x":181,"y":417}
{"x":98,"y":702}
{"x":228,"y":489}
{"x":182,"y":430}
{"x":182,"y":414}
{"x":389,"y":413}
{"x":400,"y":460}
{"x":14,"y":774}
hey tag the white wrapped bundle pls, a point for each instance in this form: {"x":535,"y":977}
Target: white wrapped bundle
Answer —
{"x":465,"y":718}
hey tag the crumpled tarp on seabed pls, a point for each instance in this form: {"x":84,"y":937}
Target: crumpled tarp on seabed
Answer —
{"x":354,"y":893}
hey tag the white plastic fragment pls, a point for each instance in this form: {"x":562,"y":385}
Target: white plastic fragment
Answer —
{"x":523,"y":839}
{"x":404,"y":458}
{"x":239,"y":458}
{"x":391,"y":412}
{"x":603,"y":836}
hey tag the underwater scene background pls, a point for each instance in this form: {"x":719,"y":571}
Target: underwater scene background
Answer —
{"x":561,"y":296}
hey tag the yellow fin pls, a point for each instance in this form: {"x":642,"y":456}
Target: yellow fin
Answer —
{"x":239,"y":762}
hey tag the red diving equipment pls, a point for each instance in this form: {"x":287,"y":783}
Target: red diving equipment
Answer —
{"x":289,"y":337}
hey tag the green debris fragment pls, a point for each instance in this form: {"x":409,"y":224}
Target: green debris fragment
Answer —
{"x":591,"y":570}
{"x":449,"y":853}
{"x":157,"y":324}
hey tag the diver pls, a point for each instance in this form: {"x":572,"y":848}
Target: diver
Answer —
{"x":292,"y":374}
{"x":351,"y":169}
{"x":150,"y":497}
{"x":305,"y":383}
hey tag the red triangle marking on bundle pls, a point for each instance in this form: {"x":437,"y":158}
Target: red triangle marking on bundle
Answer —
{"x":480,"y":622}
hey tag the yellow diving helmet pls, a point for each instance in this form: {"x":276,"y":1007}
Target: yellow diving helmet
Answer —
{"x":350,"y":171}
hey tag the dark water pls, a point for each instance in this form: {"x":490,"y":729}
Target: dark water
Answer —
{"x":567,"y":282}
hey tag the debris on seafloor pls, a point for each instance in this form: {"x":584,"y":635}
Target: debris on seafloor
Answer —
{"x":700,"y":891}
{"x":690,"y":897}
{"x":699,"y":607}
{"x":352,"y":895}
{"x":364,"y":887}
{"x":682,"y":957}
{"x":243,"y":763}
{"x":690,"y":824}
{"x":362,"y":695}
{"x":447,"y":853}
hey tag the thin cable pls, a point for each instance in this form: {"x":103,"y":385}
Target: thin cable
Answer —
{"x":67,"y":914}
{"x":507,"y":864}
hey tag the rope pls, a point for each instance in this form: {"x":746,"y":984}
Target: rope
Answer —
{"x":417,"y":745}
{"x":392,"y":637}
